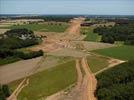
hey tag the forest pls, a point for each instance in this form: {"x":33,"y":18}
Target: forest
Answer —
{"x":116,"y":83}
{"x":15,"y":39}
{"x":122,"y":31}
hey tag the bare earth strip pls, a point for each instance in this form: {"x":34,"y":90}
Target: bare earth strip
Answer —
{"x":89,"y":46}
{"x":91,"y":81}
{"x":20,"y":69}
{"x":16,"y":70}
{"x":59,"y":41}
{"x":68,"y":52}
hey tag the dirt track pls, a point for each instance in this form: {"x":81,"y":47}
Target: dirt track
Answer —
{"x":91,"y":81}
{"x":57,"y":41}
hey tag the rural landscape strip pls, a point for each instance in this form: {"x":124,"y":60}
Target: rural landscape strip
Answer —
{"x":86,"y":84}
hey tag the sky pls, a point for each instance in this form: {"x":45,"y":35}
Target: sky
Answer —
{"x":90,"y":7}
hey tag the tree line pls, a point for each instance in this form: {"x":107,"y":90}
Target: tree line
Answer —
{"x":116,"y":83}
{"x":14,"y":39}
{"x":57,"y":18}
{"x":120,"y":32}
{"x":18,"y":38}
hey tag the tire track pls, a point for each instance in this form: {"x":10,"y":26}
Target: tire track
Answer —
{"x":91,"y":81}
{"x":25,"y":81}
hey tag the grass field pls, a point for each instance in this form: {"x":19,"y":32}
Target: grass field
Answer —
{"x":42,"y":27}
{"x":48,"y":82}
{"x":97,"y":63}
{"x":90,"y":36}
{"x":120,"y":52}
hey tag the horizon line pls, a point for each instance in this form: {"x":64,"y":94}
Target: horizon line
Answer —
{"x":77,"y":14}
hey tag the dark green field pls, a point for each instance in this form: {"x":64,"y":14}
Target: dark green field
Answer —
{"x":120,"y":52}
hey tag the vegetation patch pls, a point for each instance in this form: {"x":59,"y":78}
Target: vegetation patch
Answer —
{"x":116,"y":83}
{"x":90,"y":35}
{"x":120,"y":52}
{"x":8,"y":60}
{"x":4,"y":92}
{"x":48,"y":82}
{"x":15,"y":39}
{"x":118,"y":32}
{"x":97,"y":63}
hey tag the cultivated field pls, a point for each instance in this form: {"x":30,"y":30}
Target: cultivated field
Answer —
{"x":42,"y":27}
{"x":97,"y":63}
{"x":48,"y":82}
{"x":119,"y":52}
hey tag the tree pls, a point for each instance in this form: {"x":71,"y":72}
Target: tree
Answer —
{"x":2,"y":96}
{"x":107,"y":39}
{"x":118,"y":32}
{"x":6,"y":91}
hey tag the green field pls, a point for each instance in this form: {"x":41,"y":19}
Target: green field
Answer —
{"x":42,"y":27}
{"x":90,"y":36}
{"x":120,"y":52}
{"x":97,"y":63}
{"x":48,"y":82}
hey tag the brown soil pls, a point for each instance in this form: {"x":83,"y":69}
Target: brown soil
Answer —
{"x":57,"y":41}
{"x":90,"y":81}
{"x":20,"y":69}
